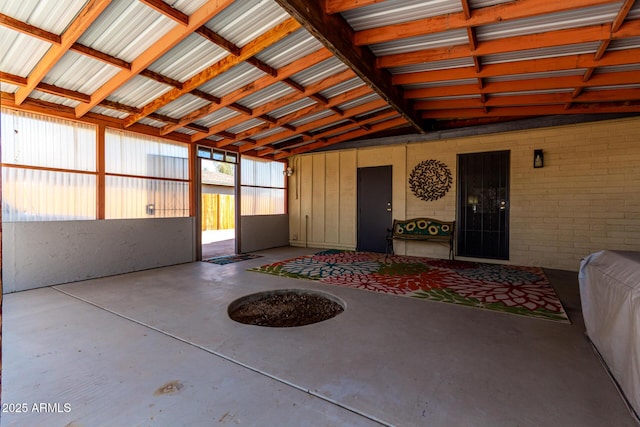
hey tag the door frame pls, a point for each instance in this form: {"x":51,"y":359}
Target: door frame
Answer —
{"x":461,"y":206}
{"x":358,"y":203}
{"x":197,"y":202}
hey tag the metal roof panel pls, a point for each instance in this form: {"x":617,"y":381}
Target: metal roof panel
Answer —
{"x":187,"y":7}
{"x":359,"y":101}
{"x":237,"y":77}
{"x":296,"y":45}
{"x":243,"y":21}
{"x":429,"y":41}
{"x":343,"y":87}
{"x":46,"y":15}
{"x":188,"y":58}
{"x":312,"y":117}
{"x":433,"y":66}
{"x":549,"y":22}
{"x":245,"y":126}
{"x":268,"y":94}
{"x":109,"y":112}
{"x":182,"y":106}
{"x":535,"y":76}
{"x":12,"y":52}
{"x":80,"y":73}
{"x":54,"y":99}
{"x":292,"y":107}
{"x":126,"y":29}
{"x":216,"y":117}
{"x":552,"y":52}
{"x":319,"y":72}
{"x":138,"y":92}
{"x":398,"y":11}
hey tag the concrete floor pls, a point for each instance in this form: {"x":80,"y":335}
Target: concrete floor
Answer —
{"x":157,"y":348}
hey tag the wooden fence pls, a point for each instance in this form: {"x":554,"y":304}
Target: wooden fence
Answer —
{"x":218,"y":212}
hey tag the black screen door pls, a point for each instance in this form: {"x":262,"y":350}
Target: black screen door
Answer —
{"x":374,"y":207}
{"x":483,"y":205}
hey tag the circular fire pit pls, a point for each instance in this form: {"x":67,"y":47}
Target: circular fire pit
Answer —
{"x":285,"y":308}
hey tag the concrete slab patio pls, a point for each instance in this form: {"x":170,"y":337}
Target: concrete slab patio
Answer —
{"x":157,"y":348}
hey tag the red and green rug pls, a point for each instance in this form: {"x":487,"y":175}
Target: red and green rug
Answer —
{"x":524,"y":291}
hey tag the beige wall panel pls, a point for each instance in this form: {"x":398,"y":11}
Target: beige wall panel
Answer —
{"x":306,"y":199}
{"x":348,"y":199}
{"x":293,"y":188}
{"x":319,"y":200}
{"x":332,"y":193}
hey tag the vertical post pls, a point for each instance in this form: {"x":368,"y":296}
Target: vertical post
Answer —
{"x":1,"y":299}
{"x":195,"y":199}
{"x":237,"y":195}
{"x":100,"y":169}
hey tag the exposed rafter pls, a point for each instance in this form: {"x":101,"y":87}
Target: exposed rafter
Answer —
{"x":85,"y":18}
{"x":336,"y":34}
{"x":263,"y":41}
{"x":155,"y":51}
{"x":484,"y":16}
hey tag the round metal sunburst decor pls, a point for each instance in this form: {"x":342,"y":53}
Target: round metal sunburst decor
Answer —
{"x":430,"y":180}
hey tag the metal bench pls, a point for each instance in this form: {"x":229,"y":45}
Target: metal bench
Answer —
{"x":421,"y":229}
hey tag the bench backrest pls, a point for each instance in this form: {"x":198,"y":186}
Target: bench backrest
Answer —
{"x":423,"y":229}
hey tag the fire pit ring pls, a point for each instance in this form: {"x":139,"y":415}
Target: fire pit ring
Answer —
{"x":285,"y":308}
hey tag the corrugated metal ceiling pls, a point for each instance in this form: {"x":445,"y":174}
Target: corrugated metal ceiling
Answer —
{"x":244,"y":76}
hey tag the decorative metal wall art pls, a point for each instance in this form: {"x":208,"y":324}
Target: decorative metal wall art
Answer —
{"x":430,"y":180}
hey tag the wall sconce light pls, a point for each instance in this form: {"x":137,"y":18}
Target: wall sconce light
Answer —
{"x":288,"y":171}
{"x":538,"y":158}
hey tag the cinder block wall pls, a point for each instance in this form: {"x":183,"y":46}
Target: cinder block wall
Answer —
{"x":585,"y":199}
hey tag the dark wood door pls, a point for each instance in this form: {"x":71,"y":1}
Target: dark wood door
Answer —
{"x":374,"y":208}
{"x":483,"y":205}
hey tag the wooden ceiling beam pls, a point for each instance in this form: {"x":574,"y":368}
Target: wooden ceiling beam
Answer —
{"x":281,"y":102}
{"x":100,"y":56}
{"x":234,"y":50}
{"x":361,"y":109}
{"x":168,"y":11}
{"x":28,"y":29}
{"x":594,"y":33}
{"x":482,"y":16}
{"x":158,"y":117}
{"x":273,"y":105}
{"x":283,"y":121}
{"x":466,"y":9}
{"x":337,"y":6}
{"x":534,"y":99}
{"x":622,"y":15}
{"x":263,"y":41}
{"x":283,"y":73}
{"x":570,"y":62}
{"x":388,"y":124}
{"x":552,"y":83}
{"x":85,"y":18}
{"x":325,"y":133}
{"x":52,"y":38}
{"x":44,"y":87}
{"x":336,"y":34}
{"x":174,"y":36}
{"x":540,"y":110}
{"x":13,"y":79}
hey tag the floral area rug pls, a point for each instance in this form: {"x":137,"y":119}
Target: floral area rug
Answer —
{"x":524,"y":291}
